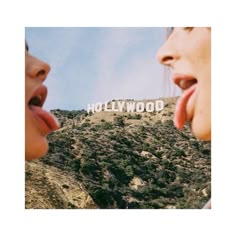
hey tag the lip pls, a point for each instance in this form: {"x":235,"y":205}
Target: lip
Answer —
{"x":184,"y":81}
{"x":188,"y":84}
{"x":45,"y":121}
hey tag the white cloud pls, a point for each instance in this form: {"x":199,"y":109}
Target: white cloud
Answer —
{"x":140,"y":76}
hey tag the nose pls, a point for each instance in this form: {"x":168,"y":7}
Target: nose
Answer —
{"x":166,"y":55}
{"x":37,"y":69}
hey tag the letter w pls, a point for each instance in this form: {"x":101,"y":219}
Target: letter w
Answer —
{"x":130,"y":106}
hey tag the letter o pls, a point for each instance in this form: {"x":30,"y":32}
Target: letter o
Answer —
{"x":140,"y":107}
{"x":149,"y":106}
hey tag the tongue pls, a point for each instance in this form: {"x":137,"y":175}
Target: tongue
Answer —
{"x":47,"y":117}
{"x":180,"y":111}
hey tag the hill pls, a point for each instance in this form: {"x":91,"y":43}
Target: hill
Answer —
{"x":128,"y":160}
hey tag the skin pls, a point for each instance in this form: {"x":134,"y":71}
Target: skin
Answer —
{"x":188,"y":51}
{"x":36,"y":71}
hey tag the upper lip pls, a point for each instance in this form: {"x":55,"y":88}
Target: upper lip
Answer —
{"x":40,"y":93}
{"x":184,"y":81}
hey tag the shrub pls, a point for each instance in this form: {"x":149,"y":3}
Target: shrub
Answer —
{"x":90,"y":167}
{"x":137,"y":116}
{"x":206,"y":151}
{"x":119,"y":174}
{"x":75,"y":164}
{"x":85,"y":124}
{"x":102,"y":197}
{"x":119,"y":121}
{"x":129,"y":116}
{"x":107,"y":125}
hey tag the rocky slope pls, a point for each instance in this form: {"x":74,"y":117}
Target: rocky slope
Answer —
{"x":123,"y":160}
{"x":48,"y":187}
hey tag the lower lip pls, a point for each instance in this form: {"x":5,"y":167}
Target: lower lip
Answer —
{"x":181,"y":107}
{"x":46,"y":122}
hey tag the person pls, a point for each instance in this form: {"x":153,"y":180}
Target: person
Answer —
{"x":187,"y":51}
{"x":38,"y":122}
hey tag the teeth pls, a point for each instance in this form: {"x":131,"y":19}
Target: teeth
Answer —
{"x":40,"y":98}
{"x":181,"y":84}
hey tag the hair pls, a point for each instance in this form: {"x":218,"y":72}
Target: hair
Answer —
{"x":169,"y":30}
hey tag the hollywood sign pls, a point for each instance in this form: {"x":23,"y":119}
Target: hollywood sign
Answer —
{"x":124,"y":106}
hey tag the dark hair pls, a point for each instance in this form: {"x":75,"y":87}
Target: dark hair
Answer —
{"x":169,"y":31}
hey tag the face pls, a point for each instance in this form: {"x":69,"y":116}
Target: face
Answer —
{"x":188,"y":52}
{"x":38,"y":122}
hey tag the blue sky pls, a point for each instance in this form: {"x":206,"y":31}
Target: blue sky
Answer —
{"x":90,"y":65}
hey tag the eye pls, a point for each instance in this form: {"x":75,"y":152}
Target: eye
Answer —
{"x":188,"y":28}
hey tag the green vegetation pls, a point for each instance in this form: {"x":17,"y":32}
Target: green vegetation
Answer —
{"x":119,"y":121}
{"x":171,"y":166}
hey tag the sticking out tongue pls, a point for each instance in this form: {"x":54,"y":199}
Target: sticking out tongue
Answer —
{"x":49,"y":119}
{"x":180,"y":112}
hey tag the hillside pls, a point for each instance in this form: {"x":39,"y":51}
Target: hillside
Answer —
{"x":48,"y":187}
{"x":127,"y":160}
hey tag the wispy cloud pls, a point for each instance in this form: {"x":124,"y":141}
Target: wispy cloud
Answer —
{"x":128,"y":67}
{"x":99,"y":64}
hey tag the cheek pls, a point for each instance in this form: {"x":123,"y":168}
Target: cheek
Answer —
{"x":201,"y":123}
{"x":36,"y":146}
{"x":199,"y":54}
{"x":28,"y":89}
{"x":204,"y":84}
{"x":29,"y":130}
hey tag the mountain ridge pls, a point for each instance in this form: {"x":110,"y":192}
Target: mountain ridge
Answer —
{"x":131,"y":160}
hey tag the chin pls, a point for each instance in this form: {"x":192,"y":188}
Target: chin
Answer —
{"x":202,"y":132}
{"x":36,"y":150}
{"x":203,"y":136}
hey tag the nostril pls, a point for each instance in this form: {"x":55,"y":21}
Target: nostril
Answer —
{"x":166,"y":59}
{"x":41,"y":73}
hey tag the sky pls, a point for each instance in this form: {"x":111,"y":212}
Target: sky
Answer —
{"x":99,"y":64}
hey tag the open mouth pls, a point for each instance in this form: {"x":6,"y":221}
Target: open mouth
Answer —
{"x":46,"y":122}
{"x":36,"y":101}
{"x":39,"y":97}
{"x":188,"y":85}
{"x":184,"y":82}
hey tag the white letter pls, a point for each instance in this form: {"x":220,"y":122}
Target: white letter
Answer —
{"x":113,"y":107}
{"x":149,"y":106}
{"x":89,"y":107}
{"x":130,"y":106}
{"x":121,"y":105}
{"x":106,"y":108}
{"x":159,"y":105}
{"x":140,"y":107}
{"x":98,"y":107}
